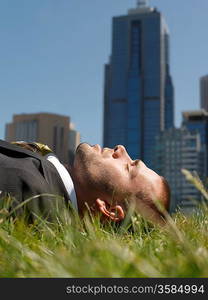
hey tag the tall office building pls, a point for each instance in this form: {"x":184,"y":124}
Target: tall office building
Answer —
{"x":184,"y":148}
{"x":204,"y":92}
{"x":50,"y":129}
{"x":138,"y":89}
{"x":176,"y":149}
{"x":197,"y":121}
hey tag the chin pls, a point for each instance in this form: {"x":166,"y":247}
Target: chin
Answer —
{"x":82,"y":146}
{"x":83,"y":151}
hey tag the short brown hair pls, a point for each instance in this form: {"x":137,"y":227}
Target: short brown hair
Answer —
{"x":166,"y":195}
{"x":154,"y":209}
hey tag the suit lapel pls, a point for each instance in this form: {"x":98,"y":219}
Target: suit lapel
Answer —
{"x":51,"y":176}
{"x":18,"y":152}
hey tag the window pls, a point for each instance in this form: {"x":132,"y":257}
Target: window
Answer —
{"x":26,"y":130}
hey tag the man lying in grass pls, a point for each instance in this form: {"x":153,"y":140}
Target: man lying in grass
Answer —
{"x":104,"y":181}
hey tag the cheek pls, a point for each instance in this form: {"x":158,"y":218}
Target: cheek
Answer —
{"x":117,"y":175}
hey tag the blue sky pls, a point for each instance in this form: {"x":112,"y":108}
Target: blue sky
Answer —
{"x":52,"y":55}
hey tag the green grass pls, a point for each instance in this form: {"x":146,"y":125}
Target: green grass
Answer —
{"x":70,"y":247}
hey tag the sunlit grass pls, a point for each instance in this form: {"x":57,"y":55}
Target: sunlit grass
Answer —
{"x":71,"y":247}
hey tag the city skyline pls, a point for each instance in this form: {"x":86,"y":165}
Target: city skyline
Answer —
{"x":50,"y":65}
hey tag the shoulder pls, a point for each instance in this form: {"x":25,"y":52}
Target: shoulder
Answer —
{"x":36,"y":147}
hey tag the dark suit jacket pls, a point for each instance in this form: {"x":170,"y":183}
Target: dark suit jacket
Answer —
{"x":24,"y":174}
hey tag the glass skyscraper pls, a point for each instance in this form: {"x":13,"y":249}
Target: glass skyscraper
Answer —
{"x":138,"y":89}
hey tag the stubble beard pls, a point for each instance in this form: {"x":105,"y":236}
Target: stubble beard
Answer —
{"x":92,"y":172}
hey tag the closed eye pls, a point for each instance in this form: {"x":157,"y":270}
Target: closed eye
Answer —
{"x":136,"y":162}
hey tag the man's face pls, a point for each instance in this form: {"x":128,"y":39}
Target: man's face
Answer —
{"x":107,"y":171}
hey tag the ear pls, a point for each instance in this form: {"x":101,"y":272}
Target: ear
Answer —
{"x":114,"y":213}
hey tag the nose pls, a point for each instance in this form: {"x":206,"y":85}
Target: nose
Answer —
{"x":119,"y":151}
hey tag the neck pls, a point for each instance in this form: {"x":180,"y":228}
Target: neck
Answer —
{"x":81,"y":193}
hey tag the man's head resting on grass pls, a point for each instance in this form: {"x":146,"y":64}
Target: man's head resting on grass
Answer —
{"x":109,"y":181}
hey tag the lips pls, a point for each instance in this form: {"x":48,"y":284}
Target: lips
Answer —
{"x":97,"y":147}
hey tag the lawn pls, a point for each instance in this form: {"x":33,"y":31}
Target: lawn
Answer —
{"x":71,"y":247}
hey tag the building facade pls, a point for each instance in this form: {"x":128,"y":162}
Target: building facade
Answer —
{"x":177,"y":149}
{"x":197,"y":121}
{"x":138,"y":89}
{"x":50,"y":129}
{"x":204,"y":92}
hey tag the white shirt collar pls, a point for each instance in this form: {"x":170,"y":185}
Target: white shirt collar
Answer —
{"x":66,"y":178}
